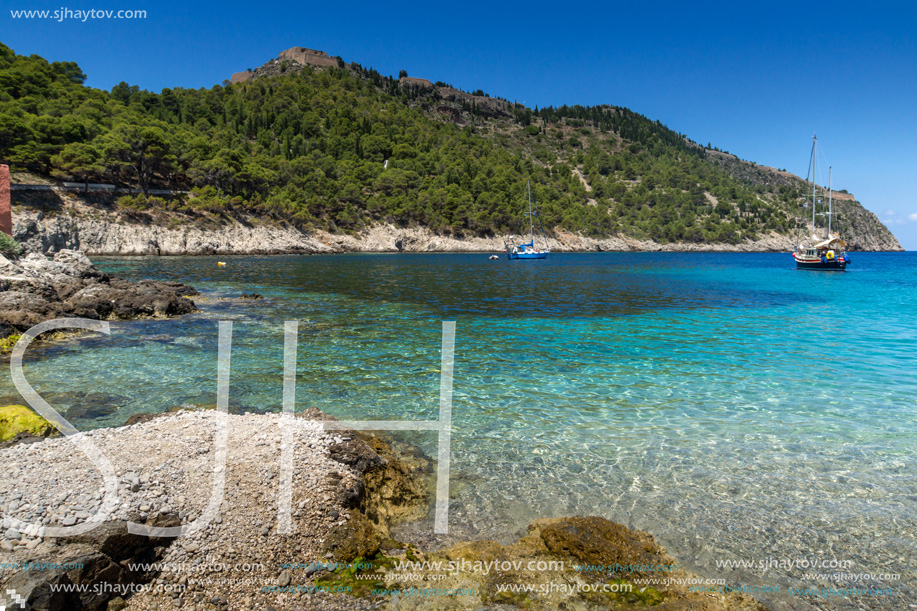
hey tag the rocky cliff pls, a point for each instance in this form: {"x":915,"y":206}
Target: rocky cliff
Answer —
{"x":110,"y":234}
{"x":861,"y":228}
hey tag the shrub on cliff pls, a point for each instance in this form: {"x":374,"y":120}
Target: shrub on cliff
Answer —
{"x":208,"y":198}
{"x":136,"y":203}
{"x":8,"y":246}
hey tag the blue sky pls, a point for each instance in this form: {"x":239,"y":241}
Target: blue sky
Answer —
{"x":756,"y":79}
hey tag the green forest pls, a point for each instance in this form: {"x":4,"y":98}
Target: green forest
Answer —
{"x":343,"y":148}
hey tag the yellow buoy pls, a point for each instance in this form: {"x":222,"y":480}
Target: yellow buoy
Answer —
{"x":220,"y":264}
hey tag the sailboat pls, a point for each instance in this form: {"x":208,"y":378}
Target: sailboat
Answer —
{"x":828,"y":253}
{"x":528,"y":251}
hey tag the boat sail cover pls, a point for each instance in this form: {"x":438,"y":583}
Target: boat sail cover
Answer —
{"x":831,"y":243}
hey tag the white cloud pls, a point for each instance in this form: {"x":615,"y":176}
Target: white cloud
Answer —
{"x":890,"y":212}
{"x":912,"y":217}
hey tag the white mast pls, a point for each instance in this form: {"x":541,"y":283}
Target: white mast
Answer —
{"x":830,"y":211}
{"x":814,"y":179}
{"x":531,"y":218}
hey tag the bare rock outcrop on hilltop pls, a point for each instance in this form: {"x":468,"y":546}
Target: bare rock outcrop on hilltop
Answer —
{"x":294,"y":57}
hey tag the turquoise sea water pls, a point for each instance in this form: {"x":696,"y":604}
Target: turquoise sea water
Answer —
{"x":734,"y":407}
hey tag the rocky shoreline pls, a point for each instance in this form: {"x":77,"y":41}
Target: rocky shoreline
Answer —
{"x":36,"y":288}
{"x":347,"y":491}
{"x":164,"y":468}
{"x":96,"y":231}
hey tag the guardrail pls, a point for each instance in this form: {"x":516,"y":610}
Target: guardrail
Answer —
{"x":81,"y":187}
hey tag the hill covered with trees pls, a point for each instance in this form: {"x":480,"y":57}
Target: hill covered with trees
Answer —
{"x":342,"y":148}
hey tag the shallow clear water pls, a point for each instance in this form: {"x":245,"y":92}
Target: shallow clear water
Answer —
{"x":734,"y":407}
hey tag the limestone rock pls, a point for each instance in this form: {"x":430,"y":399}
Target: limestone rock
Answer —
{"x":107,"y":234}
{"x":37,"y":288}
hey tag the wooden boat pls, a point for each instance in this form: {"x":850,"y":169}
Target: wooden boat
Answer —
{"x":828,"y":254}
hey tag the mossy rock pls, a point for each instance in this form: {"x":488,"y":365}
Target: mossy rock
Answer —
{"x":546,"y":585}
{"x":116,"y":604}
{"x":361,"y":582}
{"x":359,"y":537}
{"x":597,"y":541}
{"x":476,"y":551}
{"x":394,"y":484}
{"x":7,"y":343}
{"x":18,"y":419}
{"x":396,"y":491}
{"x":520,"y":600}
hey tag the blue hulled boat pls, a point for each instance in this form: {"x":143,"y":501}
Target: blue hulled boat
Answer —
{"x":529,"y":251}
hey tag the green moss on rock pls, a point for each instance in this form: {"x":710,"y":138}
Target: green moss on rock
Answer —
{"x":16,"y":419}
{"x":7,"y":343}
{"x":599,"y":542}
{"x":356,"y":580}
{"x":359,"y":537}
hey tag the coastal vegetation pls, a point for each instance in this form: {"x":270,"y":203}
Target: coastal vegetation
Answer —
{"x":7,"y":343}
{"x":8,"y":246}
{"x":343,"y":148}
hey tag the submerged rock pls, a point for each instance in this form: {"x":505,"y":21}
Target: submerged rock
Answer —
{"x":581,"y":563}
{"x":90,"y":411}
{"x":599,"y":542}
{"x":562,"y":563}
